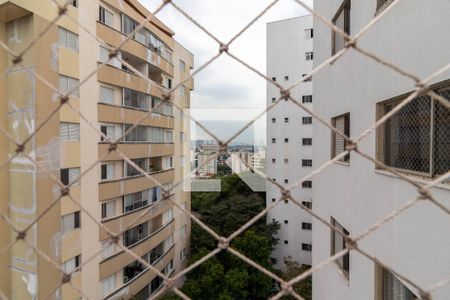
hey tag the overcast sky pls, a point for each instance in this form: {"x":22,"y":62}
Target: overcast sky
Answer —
{"x":225,"y":83}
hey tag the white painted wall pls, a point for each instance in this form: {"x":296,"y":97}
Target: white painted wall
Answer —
{"x":286,"y":47}
{"x":417,"y":243}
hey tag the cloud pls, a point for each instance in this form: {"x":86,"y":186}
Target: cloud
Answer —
{"x":226,"y":83}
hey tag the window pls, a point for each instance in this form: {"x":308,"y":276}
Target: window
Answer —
{"x":286,"y":181}
{"x":106,"y":17}
{"x":274,"y":79}
{"x":307,"y":204}
{"x":307,"y":141}
{"x":306,"y":79}
{"x":135,"y":201}
{"x":108,"y":249}
{"x":109,"y":284}
{"x":306,"y":247}
{"x":307,"y":184}
{"x":286,"y":78}
{"x":135,"y":234}
{"x":167,"y":216}
{"x":274,"y":160}
{"x":306,"y":162}
{"x":286,"y":242}
{"x":273,"y":199}
{"x":381,"y":4}
{"x":306,"y":226}
{"x":169,"y":136}
{"x":106,"y":95}
{"x":286,"y":222}
{"x":70,"y":222}
{"x":306,"y":120}
{"x":68,"y":176}
{"x":338,"y":244}
{"x":108,"y":131}
{"x":182,"y":67}
{"x":274,"y":140}
{"x":128,"y":24}
{"x":309,"y":33}
{"x":67,"y":39}
{"x":133,"y":269}
{"x":286,"y":201}
{"x":183,"y":254}
{"x":286,"y":140}
{"x":342,"y":124}
{"x":307,"y":99}
{"x":390,"y":287}
{"x":142,"y":163}
{"x":286,"y":160}
{"x":182,"y":137}
{"x":69,"y":131}
{"x":182,"y":90}
{"x":136,"y":99}
{"x":286,"y":120}
{"x":274,"y":120}
{"x":273,"y":99}
{"x":107,"y":171}
{"x":74,"y":3}
{"x":108,"y":209}
{"x":183,"y":230}
{"x":342,"y":21}
{"x":309,"y":55}
{"x":70,"y":265}
{"x":417,"y":138}
{"x":67,"y":84}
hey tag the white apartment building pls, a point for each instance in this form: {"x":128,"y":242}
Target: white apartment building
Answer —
{"x":289,"y":135}
{"x":352,"y":93}
{"x":206,"y":162}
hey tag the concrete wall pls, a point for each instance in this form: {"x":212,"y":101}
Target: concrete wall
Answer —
{"x":415,"y":244}
{"x":286,"y":48}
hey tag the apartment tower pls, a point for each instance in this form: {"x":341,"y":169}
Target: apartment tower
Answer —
{"x":290,"y":135}
{"x":113,"y":97}
{"x":353,"y":194}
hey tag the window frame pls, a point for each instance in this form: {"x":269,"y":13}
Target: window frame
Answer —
{"x":380,"y":138}
{"x":347,"y":132}
{"x":345,"y":265}
{"x":346,"y":4}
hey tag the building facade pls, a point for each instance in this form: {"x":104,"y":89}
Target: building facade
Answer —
{"x":353,"y":194}
{"x":206,"y":160}
{"x":113,"y":98}
{"x":290,"y":135}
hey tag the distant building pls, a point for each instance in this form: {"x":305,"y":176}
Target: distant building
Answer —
{"x":205,"y":160}
{"x":289,"y":135}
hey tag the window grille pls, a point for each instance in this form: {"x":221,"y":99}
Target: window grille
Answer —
{"x":307,"y":99}
{"x":306,"y":120}
{"x":306,"y":247}
{"x":307,"y":141}
{"x":309,"y":55}
{"x":417,"y":138}
{"x":306,"y":162}
{"x":307,"y":184}
{"x":306,"y":226}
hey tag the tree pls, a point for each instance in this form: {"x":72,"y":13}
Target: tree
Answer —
{"x":293,"y":269}
{"x":225,"y":276}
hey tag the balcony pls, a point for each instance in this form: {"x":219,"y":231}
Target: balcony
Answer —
{"x":121,"y":259}
{"x":118,"y":77}
{"x":116,"y":114}
{"x":137,"y":150}
{"x":117,"y":223}
{"x":139,"y":282}
{"x":115,"y":38}
{"x":117,"y":188}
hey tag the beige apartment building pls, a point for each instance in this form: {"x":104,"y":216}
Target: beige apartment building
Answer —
{"x":113,"y":192}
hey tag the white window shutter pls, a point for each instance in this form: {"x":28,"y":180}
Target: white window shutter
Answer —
{"x":63,"y":131}
{"x":74,"y":132}
{"x":62,"y":37}
{"x":63,"y":84}
{"x":110,"y":171}
{"x":106,"y":95}
{"x":74,"y":173}
{"x":72,"y":83}
{"x":339,"y":145}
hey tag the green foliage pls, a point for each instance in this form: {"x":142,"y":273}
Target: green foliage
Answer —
{"x":304,"y":287}
{"x":225,"y":276}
